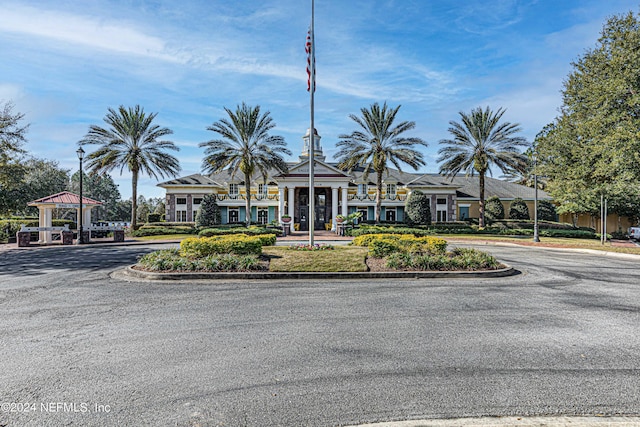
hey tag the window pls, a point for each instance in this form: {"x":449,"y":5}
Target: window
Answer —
{"x":464,"y":213}
{"x":391,"y":189}
{"x":233,"y":189}
{"x":441,"y":209}
{"x":195,"y":212}
{"x":197,"y":200}
{"x":390,"y":214}
{"x":181,"y":216}
{"x":233,"y":215}
{"x":263,"y":215}
{"x":263,"y":190}
{"x":181,"y":200}
{"x":362,"y":189}
{"x":363,"y":210}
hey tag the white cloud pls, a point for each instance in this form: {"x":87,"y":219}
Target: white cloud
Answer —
{"x":82,"y":30}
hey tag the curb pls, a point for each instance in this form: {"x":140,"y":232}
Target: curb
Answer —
{"x":542,"y":421}
{"x":146,"y":275}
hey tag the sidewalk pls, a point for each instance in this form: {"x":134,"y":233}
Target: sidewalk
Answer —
{"x":319,"y":235}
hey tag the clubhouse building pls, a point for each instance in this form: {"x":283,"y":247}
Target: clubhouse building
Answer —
{"x":335,"y":192}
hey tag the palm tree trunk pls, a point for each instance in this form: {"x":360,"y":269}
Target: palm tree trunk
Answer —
{"x":481,"y":220}
{"x":378,"y":197}
{"x":247,"y":192}
{"x":134,"y":201}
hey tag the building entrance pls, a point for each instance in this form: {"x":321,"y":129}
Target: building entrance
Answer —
{"x":321,"y":205}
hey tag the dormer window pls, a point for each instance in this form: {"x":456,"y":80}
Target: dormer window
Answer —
{"x":362,"y":189}
{"x":391,"y":189}
{"x":233,"y":189}
{"x":263,"y":189}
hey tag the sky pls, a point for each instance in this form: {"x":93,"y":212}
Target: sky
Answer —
{"x":64,"y":63}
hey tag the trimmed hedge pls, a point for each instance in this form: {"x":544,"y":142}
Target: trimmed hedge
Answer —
{"x":238,"y":244}
{"x":377,"y":229}
{"x":200,"y":247}
{"x":159,"y":231}
{"x":381,"y":245}
{"x":251,"y":231}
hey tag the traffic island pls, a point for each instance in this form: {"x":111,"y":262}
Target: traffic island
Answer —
{"x":134,"y":273}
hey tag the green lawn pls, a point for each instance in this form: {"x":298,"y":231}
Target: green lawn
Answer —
{"x":546,"y":241}
{"x":341,"y":258}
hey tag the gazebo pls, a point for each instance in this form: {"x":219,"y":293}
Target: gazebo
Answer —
{"x":65,"y":199}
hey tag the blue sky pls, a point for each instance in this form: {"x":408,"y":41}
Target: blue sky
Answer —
{"x":64,"y":63}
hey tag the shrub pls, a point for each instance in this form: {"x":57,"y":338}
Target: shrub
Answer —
{"x":154,"y":217}
{"x":171,"y":260}
{"x":227,"y":230}
{"x":547,"y":211}
{"x":493,"y":209}
{"x":160,"y":231}
{"x":200,"y":247}
{"x":209,"y":212}
{"x":382,"y":245}
{"x":380,"y":248}
{"x":267,"y":239}
{"x":378,"y":229}
{"x":418,"y":208}
{"x":458,"y":259}
{"x":518,"y":209}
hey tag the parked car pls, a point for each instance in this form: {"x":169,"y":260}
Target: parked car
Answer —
{"x":634,"y":233}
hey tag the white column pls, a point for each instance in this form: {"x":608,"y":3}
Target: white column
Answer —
{"x":334,"y":204}
{"x":290,"y":202}
{"x":48,"y":222}
{"x":345,"y":208}
{"x":280,"y":202}
{"x":86,"y":219}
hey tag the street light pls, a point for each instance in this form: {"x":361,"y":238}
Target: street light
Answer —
{"x":536,"y":236}
{"x":80,"y":241}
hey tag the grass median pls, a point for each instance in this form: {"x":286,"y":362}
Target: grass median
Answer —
{"x":341,"y":258}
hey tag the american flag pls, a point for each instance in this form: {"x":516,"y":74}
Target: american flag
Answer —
{"x":309,"y":48}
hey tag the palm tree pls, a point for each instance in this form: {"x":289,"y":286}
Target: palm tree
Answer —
{"x":377,"y":144}
{"x":246,"y":146}
{"x":480,"y":142}
{"x":131,"y":142}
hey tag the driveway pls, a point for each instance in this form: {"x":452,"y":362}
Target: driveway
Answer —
{"x":78,"y":347}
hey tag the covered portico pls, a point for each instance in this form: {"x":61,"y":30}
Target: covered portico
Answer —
{"x":65,"y":199}
{"x":330,"y":194}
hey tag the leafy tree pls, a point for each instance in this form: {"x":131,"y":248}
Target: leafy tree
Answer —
{"x":479,"y":142}
{"x":418,"y":208}
{"x":12,"y":171}
{"x":122,"y":211}
{"x":591,"y":148}
{"x":209,"y":212}
{"x":245,"y":146}
{"x":101,"y":188}
{"x":518,"y":209}
{"x":34,"y":179}
{"x":493,"y":209}
{"x":143,"y":209}
{"x":160,"y":208}
{"x":12,"y":133}
{"x":131,"y":141}
{"x":377,"y":144}
{"x":547,"y":211}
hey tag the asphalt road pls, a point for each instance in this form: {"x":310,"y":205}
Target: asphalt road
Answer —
{"x":80,"y":348}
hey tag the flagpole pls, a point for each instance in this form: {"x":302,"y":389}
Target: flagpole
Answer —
{"x":312,"y":131}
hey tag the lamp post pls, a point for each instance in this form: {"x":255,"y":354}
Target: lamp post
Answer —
{"x":536,"y":236}
{"x":80,"y":241}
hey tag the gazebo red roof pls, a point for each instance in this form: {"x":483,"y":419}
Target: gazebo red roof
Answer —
{"x":64,"y":197}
